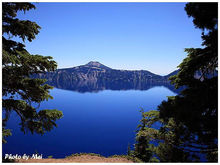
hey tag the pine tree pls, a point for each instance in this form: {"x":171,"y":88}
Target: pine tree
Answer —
{"x":129,"y":150}
{"x":189,"y":120}
{"x":142,"y":147}
{"x":196,"y":106}
{"x":21,"y":92}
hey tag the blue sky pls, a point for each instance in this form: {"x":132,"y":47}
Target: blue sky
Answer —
{"x":132,"y":36}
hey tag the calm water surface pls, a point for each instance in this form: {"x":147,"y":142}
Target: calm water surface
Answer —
{"x":102,"y":123}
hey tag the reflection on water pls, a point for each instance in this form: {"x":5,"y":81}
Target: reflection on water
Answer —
{"x":96,"y":86}
{"x":102,"y":123}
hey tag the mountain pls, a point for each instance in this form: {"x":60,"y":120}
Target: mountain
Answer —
{"x":95,"y":64}
{"x":171,"y":74}
{"x":95,"y":75}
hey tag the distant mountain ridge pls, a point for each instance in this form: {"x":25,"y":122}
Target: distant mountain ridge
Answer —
{"x":98,"y":66}
{"x":98,"y":76}
{"x":96,"y":70}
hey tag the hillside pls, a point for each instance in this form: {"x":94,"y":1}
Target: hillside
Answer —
{"x":96,"y":76}
{"x":95,"y":71}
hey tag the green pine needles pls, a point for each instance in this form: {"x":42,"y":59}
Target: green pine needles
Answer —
{"x":20,"y":91}
{"x":189,"y":120}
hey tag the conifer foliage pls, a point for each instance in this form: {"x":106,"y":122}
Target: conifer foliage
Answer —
{"x":21,"y":93}
{"x":142,"y":147}
{"x":189,"y":120}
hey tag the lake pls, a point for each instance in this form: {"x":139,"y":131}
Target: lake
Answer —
{"x":103,"y":122}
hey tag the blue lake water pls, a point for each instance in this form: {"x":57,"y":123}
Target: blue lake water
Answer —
{"x":102,"y":123}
